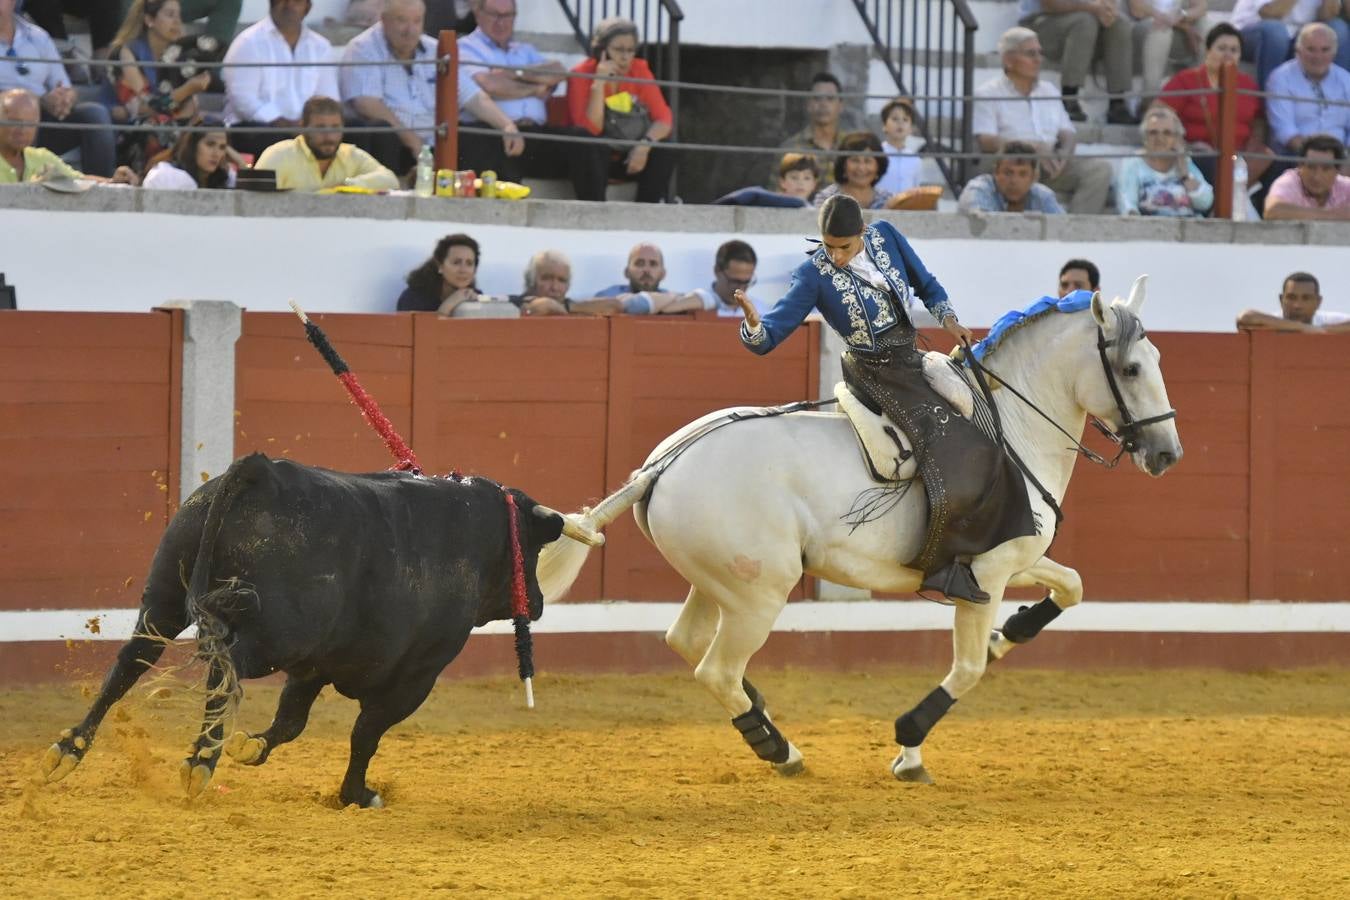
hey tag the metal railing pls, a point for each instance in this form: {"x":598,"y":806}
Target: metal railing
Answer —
{"x":938,"y":37}
{"x":658,"y":23}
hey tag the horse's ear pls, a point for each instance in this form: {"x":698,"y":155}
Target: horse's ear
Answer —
{"x":1099,"y":308}
{"x":1137,"y":292}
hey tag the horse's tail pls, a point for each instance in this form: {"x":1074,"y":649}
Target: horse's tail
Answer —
{"x":208,"y":605}
{"x":560,"y":561}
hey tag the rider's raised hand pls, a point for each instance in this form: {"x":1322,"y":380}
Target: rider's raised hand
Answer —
{"x":748,"y":308}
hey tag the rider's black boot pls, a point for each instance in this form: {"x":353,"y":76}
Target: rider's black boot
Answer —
{"x":956,"y":582}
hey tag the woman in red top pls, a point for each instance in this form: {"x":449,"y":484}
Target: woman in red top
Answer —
{"x":614,"y":45}
{"x":1200,"y":112}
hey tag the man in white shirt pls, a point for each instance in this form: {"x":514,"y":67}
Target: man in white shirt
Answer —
{"x":733,"y":270}
{"x":505,"y":96}
{"x":1009,"y":109}
{"x":275,"y":96}
{"x":1300,"y":299}
{"x":1268,"y":28}
{"x":403,"y":96}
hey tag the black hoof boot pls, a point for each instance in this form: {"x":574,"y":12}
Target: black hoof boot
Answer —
{"x":62,"y":757}
{"x":956,"y":582}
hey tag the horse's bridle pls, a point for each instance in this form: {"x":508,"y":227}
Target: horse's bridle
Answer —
{"x":1128,"y":435}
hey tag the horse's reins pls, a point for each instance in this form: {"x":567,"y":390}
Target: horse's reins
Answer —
{"x":1127,"y":438}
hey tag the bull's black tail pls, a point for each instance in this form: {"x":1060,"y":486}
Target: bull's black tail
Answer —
{"x":210,"y":599}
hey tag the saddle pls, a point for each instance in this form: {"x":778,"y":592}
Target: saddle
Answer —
{"x":886,"y":449}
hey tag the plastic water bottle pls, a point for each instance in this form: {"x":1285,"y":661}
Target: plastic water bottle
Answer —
{"x":1240,"y":200}
{"x":425,"y":175}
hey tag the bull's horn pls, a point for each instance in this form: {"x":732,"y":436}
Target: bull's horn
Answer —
{"x":571,"y":527}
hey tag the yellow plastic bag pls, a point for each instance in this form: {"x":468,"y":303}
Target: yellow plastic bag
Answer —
{"x":621,"y":102}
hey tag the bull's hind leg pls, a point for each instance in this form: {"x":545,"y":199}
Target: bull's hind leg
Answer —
{"x":740,"y":633}
{"x":154,"y":626}
{"x":200,"y":765}
{"x":297,"y":697}
{"x":379,"y":713}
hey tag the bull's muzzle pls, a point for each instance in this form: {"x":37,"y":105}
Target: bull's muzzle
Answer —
{"x":571,"y":527}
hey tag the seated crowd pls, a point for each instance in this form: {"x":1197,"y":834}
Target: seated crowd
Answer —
{"x":292,"y":119}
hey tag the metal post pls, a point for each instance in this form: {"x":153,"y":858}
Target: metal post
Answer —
{"x":1226,"y":143}
{"x":447,"y":101}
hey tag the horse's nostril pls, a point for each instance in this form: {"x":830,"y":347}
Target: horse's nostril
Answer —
{"x":1166,"y":458}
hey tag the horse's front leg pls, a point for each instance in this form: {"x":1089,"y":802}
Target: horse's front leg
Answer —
{"x":970,"y":640}
{"x":1066,"y":590}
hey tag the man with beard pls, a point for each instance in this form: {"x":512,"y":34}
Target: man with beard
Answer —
{"x":318,"y":159}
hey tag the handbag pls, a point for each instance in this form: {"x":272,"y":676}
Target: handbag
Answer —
{"x":625,"y":120}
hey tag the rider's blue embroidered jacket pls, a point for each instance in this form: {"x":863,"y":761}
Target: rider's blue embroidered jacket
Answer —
{"x":851,"y":306}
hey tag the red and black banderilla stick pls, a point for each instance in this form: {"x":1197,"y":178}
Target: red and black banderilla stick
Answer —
{"x":407,"y":461}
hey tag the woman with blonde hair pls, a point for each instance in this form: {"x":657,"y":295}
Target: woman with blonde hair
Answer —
{"x":1162,"y":180}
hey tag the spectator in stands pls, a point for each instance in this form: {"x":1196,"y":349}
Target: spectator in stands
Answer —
{"x":630,"y":108}
{"x":318,"y":159}
{"x":824,"y":114}
{"x":1003,"y":114}
{"x":645,"y":271}
{"x":222,"y":16}
{"x":1319,"y":84}
{"x":511,"y":100}
{"x":1315,"y":190}
{"x":403,"y":96}
{"x":199,"y":159}
{"x":1200,"y":112}
{"x":274,"y":96}
{"x":1012,"y":187}
{"x":897,"y":123}
{"x":733,"y":270}
{"x":1079,"y":275}
{"x":857,"y":174}
{"x":59,"y":102}
{"x":1078,"y":32}
{"x":103,"y":17}
{"x":796,"y":186}
{"x":1162,"y":180}
{"x":1300,"y":302}
{"x":1165,"y":30}
{"x":143,"y":94}
{"x":447,"y":278}
{"x":548,"y":275}
{"x":20,"y":160}
{"x":1269,"y":26}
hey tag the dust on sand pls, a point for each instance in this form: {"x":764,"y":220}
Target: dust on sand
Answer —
{"x":1049,"y":784}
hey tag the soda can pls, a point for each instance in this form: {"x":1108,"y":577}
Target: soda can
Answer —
{"x":489,"y":181}
{"x":466,"y":183}
{"x":445,"y":182}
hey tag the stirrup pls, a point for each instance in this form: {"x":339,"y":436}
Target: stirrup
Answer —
{"x":956,"y":582}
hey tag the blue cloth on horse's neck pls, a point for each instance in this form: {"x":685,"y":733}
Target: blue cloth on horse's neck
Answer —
{"x":1071,"y":302}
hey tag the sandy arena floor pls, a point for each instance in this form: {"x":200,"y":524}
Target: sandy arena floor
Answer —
{"x":1050,"y":784}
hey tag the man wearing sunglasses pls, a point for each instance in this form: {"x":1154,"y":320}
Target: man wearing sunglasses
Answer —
{"x":733,"y":270}
{"x":21,"y":40}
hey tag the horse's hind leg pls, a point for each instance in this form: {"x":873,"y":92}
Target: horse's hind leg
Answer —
{"x":740,"y":633}
{"x":297,"y":698}
{"x":155,"y":625}
{"x":692,"y":633}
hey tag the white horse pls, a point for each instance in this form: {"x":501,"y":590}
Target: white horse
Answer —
{"x":742,"y":511}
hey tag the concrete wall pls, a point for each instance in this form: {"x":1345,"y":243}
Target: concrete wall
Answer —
{"x":126,"y":250}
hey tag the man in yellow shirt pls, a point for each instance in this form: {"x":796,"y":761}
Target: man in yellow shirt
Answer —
{"x":20,"y":161}
{"x":318,"y":159}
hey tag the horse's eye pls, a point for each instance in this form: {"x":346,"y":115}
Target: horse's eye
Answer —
{"x":1131,"y":370}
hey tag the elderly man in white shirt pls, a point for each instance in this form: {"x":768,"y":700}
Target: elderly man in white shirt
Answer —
{"x":403,"y":96}
{"x":1009,"y":108}
{"x":1268,"y":29}
{"x":275,"y":96}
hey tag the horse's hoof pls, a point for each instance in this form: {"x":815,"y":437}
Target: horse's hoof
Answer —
{"x":914,"y":774}
{"x":375,"y":802}
{"x":793,"y":765}
{"x":57,"y":763}
{"x":195,"y":778}
{"x":246,"y":750}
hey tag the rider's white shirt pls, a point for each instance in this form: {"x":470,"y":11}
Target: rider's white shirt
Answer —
{"x":862,"y":266}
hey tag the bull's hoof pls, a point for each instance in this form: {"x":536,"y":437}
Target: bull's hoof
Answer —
{"x":247,"y":749}
{"x":375,"y":801}
{"x":195,"y":776}
{"x":365,"y":798}
{"x":62,"y":757}
{"x":794,"y":765}
{"x":913,"y":774}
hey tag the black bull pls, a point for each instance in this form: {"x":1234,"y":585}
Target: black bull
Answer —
{"x":370,"y":583}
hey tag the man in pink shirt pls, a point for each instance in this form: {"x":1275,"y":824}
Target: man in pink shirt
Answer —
{"x":1314,"y":190}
